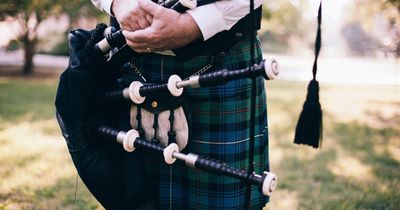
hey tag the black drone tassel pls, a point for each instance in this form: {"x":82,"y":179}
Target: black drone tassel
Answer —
{"x":309,"y":126}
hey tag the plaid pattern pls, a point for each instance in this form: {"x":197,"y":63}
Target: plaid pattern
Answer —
{"x":219,"y":120}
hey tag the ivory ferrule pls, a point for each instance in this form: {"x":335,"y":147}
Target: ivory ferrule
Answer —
{"x":191,"y":82}
{"x":179,"y":156}
{"x":121,"y":137}
{"x":190,"y":160}
{"x":104,"y":46}
{"x":125,"y":93}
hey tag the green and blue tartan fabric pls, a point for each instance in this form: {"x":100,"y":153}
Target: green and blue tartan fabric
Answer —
{"x":219,"y":123}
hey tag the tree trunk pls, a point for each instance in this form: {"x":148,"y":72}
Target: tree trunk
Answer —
{"x":29,"y":52}
{"x":29,"y":40}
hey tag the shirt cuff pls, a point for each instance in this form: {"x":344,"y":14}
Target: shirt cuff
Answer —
{"x":209,"y":19}
{"x":106,"y":6}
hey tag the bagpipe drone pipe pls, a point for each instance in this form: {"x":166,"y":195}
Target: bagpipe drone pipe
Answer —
{"x":137,"y":91}
{"x":131,"y":140}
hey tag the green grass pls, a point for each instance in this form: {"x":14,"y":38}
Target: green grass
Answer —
{"x":357,"y":167}
{"x":26,"y":100}
{"x":36,"y":171}
{"x":359,"y":163}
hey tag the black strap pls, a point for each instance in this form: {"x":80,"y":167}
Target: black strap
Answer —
{"x":317,"y":42}
{"x":204,"y":2}
{"x":250,"y":168}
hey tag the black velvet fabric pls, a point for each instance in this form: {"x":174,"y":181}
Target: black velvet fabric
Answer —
{"x":116,"y":178}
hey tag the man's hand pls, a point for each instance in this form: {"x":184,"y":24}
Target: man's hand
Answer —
{"x":129,"y":15}
{"x":168,"y":30}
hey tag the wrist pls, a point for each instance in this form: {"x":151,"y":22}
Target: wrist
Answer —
{"x":189,"y":27}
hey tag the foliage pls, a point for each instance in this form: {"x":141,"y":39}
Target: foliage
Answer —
{"x":369,"y":15}
{"x":284,"y":25}
{"x":29,"y":14}
{"x":61,"y":48}
{"x":395,"y":3}
{"x":13,"y":45}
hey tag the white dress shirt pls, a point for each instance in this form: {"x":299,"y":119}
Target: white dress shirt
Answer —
{"x":211,"y":18}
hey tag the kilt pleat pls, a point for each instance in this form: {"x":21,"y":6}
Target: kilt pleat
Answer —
{"x":219,"y":122}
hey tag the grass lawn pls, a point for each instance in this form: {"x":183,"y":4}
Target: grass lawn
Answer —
{"x":358,"y":166}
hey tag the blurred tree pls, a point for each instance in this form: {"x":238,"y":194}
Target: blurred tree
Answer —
{"x":29,"y":14}
{"x":284,"y":25}
{"x":394,"y":21}
{"x":395,"y":3}
{"x":380,"y":20}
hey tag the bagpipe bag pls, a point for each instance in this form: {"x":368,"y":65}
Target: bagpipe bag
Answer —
{"x":116,"y":178}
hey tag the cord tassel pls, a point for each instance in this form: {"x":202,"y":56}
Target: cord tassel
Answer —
{"x":309,"y":126}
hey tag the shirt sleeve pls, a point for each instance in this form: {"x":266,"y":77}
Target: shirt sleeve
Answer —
{"x":221,"y":15}
{"x":103,"y":5}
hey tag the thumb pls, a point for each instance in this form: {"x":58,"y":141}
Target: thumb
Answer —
{"x":149,"y":6}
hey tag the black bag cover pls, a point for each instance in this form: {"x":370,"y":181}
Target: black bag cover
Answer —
{"x":116,"y":178}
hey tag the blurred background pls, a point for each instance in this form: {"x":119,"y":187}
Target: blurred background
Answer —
{"x":358,"y":166}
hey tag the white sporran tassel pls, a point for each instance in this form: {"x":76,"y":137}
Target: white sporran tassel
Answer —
{"x":180,"y":125}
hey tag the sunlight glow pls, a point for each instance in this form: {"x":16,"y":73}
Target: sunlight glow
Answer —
{"x":351,"y":167}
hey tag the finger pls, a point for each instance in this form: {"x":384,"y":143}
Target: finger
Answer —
{"x":149,"y":6}
{"x":144,"y":36}
{"x":139,"y":50}
{"x":131,"y":25}
{"x":149,"y":18}
{"x":142,"y":47}
{"x":138,"y":45}
{"x":143,"y":23}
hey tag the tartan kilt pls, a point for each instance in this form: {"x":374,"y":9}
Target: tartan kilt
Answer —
{"x":219,"y":123}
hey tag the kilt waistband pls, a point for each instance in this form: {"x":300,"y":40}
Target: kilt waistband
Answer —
{"x":157,"y":68}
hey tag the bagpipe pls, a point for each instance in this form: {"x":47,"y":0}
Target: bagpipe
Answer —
{"x":90,"y":81}
{"x":131,"y":140}
{"x":137,"y":92}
